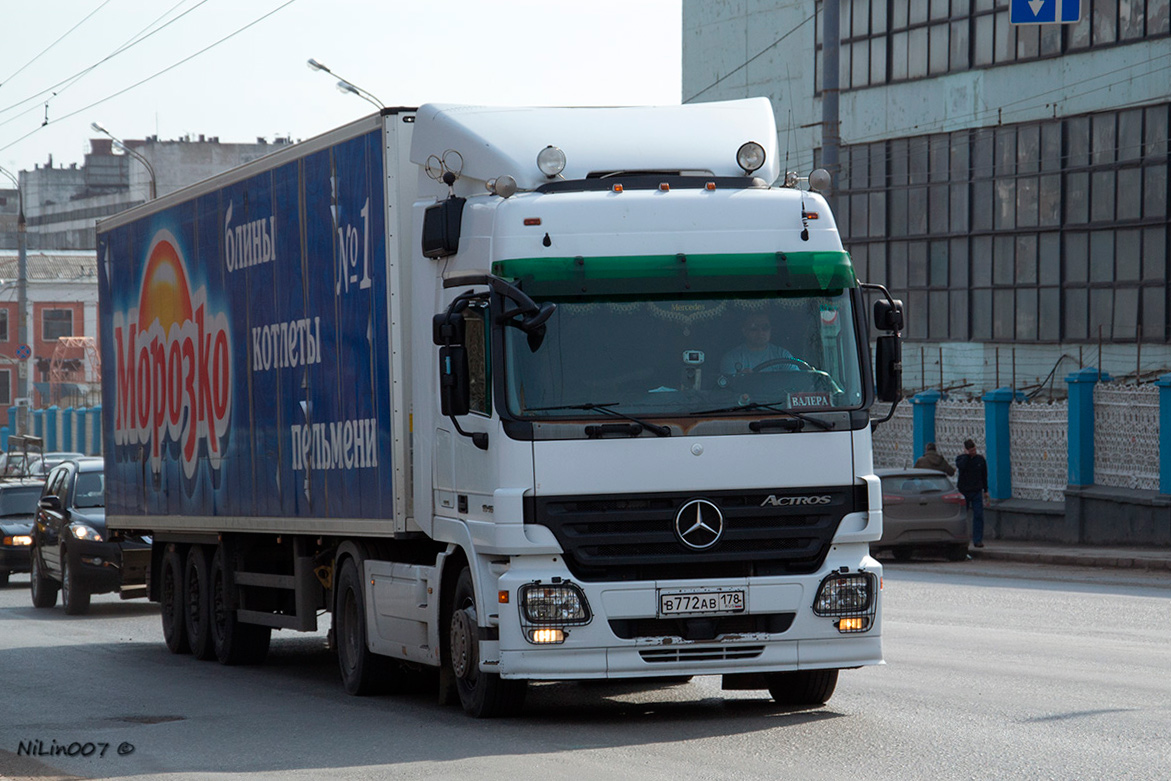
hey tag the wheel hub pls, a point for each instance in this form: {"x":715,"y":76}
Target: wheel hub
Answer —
{"x":464,"y":661}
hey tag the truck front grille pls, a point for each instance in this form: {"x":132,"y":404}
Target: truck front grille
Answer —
{"x":626,"y":538}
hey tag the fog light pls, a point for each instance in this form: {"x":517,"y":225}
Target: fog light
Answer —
{"x":845,"y":594}
{"x":858,"y":624}
{"x":562,"y":604}
{"x":547,"y":635}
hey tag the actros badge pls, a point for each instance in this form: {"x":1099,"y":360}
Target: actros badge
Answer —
{"x":699,"y":524}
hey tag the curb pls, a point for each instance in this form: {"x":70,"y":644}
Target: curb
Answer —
{"x":1097,"y":559}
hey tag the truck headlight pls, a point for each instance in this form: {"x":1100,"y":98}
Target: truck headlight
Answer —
{"x":853,"y":599}
{"x":544,"y":609}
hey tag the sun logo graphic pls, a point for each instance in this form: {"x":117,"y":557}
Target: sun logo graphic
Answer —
{"x":174,"y":365}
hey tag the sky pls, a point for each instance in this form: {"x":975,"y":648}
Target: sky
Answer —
{"x":163,"y":67}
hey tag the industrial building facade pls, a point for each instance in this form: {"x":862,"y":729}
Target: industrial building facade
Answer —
{"x":1008,"y":182}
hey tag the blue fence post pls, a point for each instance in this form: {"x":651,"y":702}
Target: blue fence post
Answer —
{"x":1164,"y":383}
{"x":50,"y":434}
{"x":997,"y":404}
{"x":37,"y":423}
{"x":923,"y":420}
{"x":5,"y":432}
{"x":11,"y":427}
{"x":96,"y":439}
{"x":1081,"y":423}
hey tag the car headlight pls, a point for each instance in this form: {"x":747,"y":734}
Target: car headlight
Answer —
{"x":544,"y":609}
{"x":18,"y":540}
{"x":853,"y":599}
{"x":83,"y":532}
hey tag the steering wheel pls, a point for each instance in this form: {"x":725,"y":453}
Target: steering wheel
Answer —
{"x":800,"y":364}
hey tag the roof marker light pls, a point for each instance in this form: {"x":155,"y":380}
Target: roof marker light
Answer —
{"x":551,"y":161}
{"x":664,"y":187}
{"x":710,"y":186}
{"x":750,"y":157}
{"x":617,"y":188}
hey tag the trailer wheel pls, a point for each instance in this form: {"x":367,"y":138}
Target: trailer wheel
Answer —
{"x":171,"y":602}
{"x":74,"y":596}
{"x":483,"y":695}
{"x":234,"y":642}
{"x":363,"y":672}
{"x":43,"y":588}
{"x":197,"y":614}
{"x":803,"y":687}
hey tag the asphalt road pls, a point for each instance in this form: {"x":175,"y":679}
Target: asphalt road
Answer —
{"x":994,"y":670}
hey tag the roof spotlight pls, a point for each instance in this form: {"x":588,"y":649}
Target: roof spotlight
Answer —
{"x":551,"y":161}
{"x":750,"y":157}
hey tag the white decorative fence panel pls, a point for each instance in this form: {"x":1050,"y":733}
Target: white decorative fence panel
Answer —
{"x":894,"y":440}
{"x":1126,"y":436}
{"x":955,"y":421}
{"x":1039,"y":438}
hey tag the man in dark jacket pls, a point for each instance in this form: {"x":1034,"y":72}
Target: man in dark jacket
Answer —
{"x":973,"y":484}
{"x":931,"y":459}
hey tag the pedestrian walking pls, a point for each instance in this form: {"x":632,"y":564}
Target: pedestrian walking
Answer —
{"x":973,"y":484}
{"x":931,"y":459}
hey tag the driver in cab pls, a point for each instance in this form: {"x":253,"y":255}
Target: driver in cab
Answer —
{"x":757,"y":349}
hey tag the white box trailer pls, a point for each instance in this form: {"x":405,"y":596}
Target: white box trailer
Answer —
{"x":518,"y":393}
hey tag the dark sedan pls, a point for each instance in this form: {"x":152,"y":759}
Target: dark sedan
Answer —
{"x":72,"y":550}
{"x":922,"y":512}
{"x":18,"y":505}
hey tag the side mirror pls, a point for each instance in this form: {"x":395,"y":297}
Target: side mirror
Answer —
{"x":455,"y":392}
{"x":888,"y":367}
{"x":52,"y":502}
{"x":888,"y":315}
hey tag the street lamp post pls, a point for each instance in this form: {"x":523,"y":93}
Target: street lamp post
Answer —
{"x":347,"y":86}
{"x":21,"y":288}
{"x":133,"y":153}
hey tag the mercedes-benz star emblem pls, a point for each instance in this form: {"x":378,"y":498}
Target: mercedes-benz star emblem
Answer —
{"x":699,"y":524}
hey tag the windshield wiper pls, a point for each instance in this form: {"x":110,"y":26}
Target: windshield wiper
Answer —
{"x":654,"y":428}
{"x":773,"y":408}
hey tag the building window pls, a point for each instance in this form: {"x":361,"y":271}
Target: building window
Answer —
{"x":3,"y":325}
{"x":56,"y":323}
{"x":5,"y":387}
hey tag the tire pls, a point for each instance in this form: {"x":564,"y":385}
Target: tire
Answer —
{"x":363,"y":671}
{"x":74,"y":595}
{"x":4,"y":577}
{"x":196,"y":613}
{"x":803,"y":687}
{"x":171,"y":602}
{"x":42,"y":587}
{"x":958,"y":552}
{"x":482,"y":695}
{"x":233,"y":642}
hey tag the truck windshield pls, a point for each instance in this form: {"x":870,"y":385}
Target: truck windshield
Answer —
{"x":682,"y":356}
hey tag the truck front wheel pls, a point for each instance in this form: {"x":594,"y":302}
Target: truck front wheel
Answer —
{"x":483,"y":695}
{"x":803,"y":687}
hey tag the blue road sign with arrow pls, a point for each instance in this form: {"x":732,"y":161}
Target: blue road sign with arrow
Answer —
{"x":1045,"y":11}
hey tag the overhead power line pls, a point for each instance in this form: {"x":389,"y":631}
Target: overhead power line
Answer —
{"x":54,"y":43}
{"x":753,"y":58}
{"x":154,"y":75}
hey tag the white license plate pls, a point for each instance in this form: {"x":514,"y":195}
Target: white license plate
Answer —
{"x":679,"y":603}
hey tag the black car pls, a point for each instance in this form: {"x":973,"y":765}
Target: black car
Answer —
{"x":18,"y":505}
{"x":72,"y":550}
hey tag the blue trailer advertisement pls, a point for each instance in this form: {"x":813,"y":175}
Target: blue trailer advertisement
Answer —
{"x":248,"y":328}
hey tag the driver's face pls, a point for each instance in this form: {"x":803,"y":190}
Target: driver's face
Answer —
{"x":757,"y":332}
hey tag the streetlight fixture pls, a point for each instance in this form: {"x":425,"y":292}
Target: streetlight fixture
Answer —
{"x":21,"y":291}
{"x":345,"y":85}
{"x":97,"y":126}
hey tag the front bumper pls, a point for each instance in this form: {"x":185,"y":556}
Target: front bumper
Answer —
{"x":99,"y":565}
{"x":15,"y":558}
{"x":607,"y":648}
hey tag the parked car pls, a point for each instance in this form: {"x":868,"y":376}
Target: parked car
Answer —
{"x":922,"y":512}
{"x":72,"y":550}
{"x":39,"y":465}
{"x":18,"y":505}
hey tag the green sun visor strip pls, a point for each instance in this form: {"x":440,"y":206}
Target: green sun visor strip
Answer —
{"x":781,"y":272}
